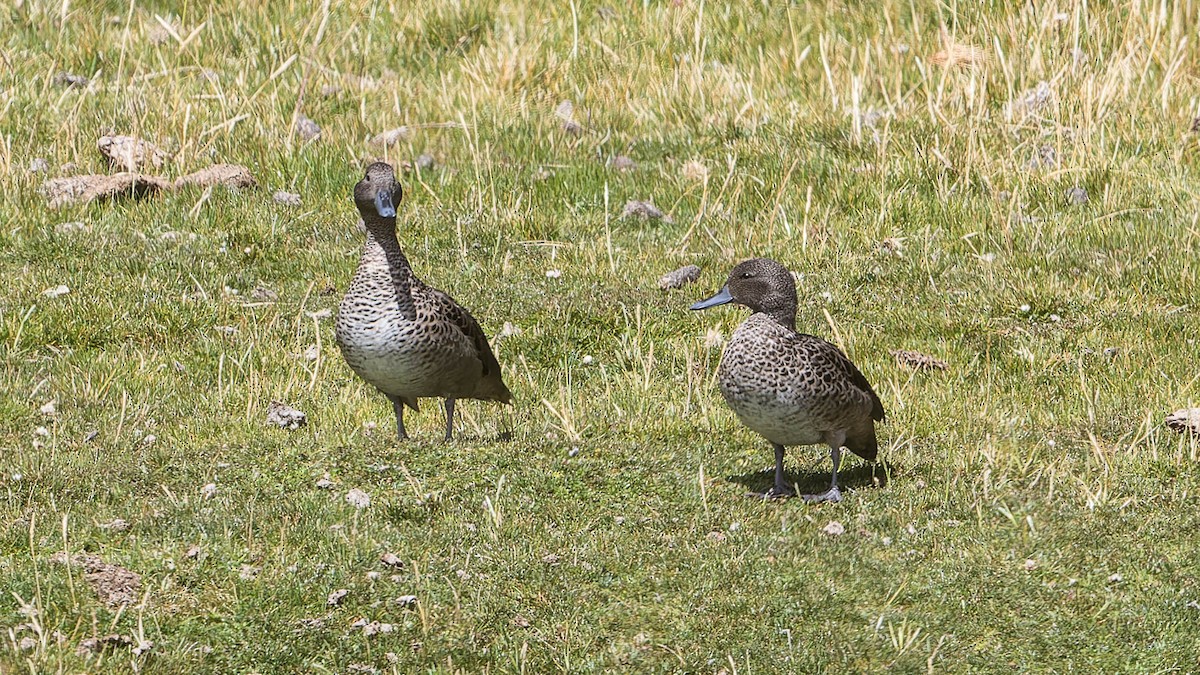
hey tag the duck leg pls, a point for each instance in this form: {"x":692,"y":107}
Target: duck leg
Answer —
{"x":449,"y":419}
{"x":398,"y":407}
{"x":832,"y":494}
{"x":781,"y":488}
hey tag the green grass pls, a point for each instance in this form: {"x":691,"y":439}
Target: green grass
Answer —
{"x":612,"y":531}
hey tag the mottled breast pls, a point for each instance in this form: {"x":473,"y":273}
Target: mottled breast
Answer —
{"x":403,"y":348}
{"x":790,"y":387}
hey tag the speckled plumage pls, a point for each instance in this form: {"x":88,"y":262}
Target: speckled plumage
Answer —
{"x":792,"y":388}
{"x":402,"y":336}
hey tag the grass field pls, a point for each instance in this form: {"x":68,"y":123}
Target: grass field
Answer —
{"x":913,"y":161}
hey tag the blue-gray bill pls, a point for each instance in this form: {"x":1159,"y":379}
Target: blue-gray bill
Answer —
{"x":722,"y":297}
{"x":383,"y":204}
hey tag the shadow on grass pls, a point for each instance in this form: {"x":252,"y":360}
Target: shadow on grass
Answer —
{"x":860,"y":475}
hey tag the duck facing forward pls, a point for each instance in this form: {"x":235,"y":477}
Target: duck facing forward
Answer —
{"x":404,"y":337}
{"x":792,"y":388}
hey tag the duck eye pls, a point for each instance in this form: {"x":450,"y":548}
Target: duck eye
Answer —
{"x":747,"y":275}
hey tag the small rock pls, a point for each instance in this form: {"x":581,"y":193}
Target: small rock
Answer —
{"x":38,"y":165}
{"x":320,"y":314}
{"x":871,"y":117}
{"x":130,"y":154}
{"x":390,"y":137}
{"x":358,"y":498}
{"x":193,"y":552}
{"x":233,"y":176}
{"x":917,"y":360}
{"x":26,"y":643}
{"x":694,"y":170}
{"x":1033,"y":100}
{"x":1115,"y":578}
{"x":426,"y":162}
{"x":520,"y":621}
{"x":335,"y":598}
{"x":572,"y":128}
{"x":623,"y":163}
{"x":550,"y":559}
{"x":391,"y":560}
{"x":263,"y":294}
{"x":83,"y":189}
{"x":893,"y":246}
{"x":116,"y":525}
{"x":113,"y":584}
{"x":406,"y":600}
{"x":376,"y":627}
{"x":74,"y":227}
{"x":1046,"y":158}
{"x":98,"y":645}
{"x":1112,"y":352}
{"x":228,"y":331}
{"x":1030,"y":564}
{"x":1185,"y":421}
{"x":49,"y":408}
{"x":57,"y":291}
{"x":311,"y":353}
{"x":286,"y":198}
{"x":688,"y":274}
{"x":142,"y":647}
{"x":717,"y":536}
{"x":209,"y":491}
{"x":553,"y":274}
{"x":1077,"y":196}
{"x":307,"y":129}
{"x":70,"y":80}
{"x":834,"y":529}
{"x":174,"y":237}
{"x":325,"y":483}
{"x":285,"y":417}
{"x":248,"y":572}
{"x":644,"y":210}
{"x":566,"y":112}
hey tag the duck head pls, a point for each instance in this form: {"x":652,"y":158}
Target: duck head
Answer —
{"x":764,"y":286}
{"x":377,"y":195}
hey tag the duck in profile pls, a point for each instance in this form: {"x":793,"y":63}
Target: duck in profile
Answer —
{"x":404,"y":337}
{"x":792,"y":388}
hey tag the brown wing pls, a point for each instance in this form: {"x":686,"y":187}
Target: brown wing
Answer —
{"x":438,"y":303}
{"x":834,"y":356}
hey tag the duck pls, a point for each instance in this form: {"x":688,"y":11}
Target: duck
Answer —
{"x":789,"y":387}
{"x":402,"y":336}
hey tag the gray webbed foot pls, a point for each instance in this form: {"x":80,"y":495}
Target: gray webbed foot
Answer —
{"x":830,"y":495}
{"x":775,"y":492}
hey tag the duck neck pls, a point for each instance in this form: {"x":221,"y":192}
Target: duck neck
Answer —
{"x":384,"y":248}
{"x":786,"y":317}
